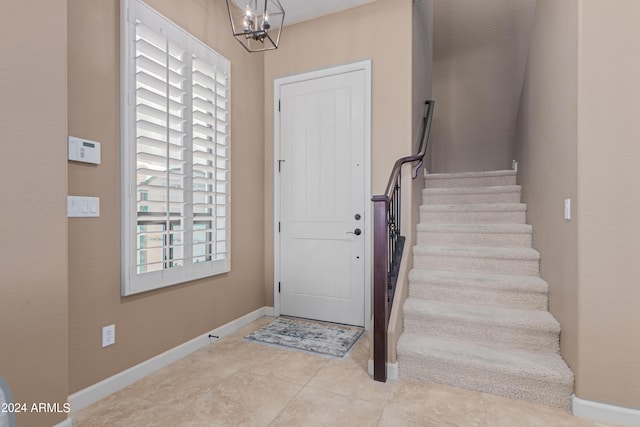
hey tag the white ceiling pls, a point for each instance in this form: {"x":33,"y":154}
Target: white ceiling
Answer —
{"x":302,"y":10}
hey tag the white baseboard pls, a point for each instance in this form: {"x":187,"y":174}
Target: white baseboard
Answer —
{"x":269,"y":311}
{"x":605,"y":413}
{"x":66,"y":423}
{"x":392,"y":370}
{"x":92,"y":394}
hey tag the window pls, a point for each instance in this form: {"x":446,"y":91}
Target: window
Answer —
{"x":175,"y":154}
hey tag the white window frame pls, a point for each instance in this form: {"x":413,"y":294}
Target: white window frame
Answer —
{"x":133,"y":281}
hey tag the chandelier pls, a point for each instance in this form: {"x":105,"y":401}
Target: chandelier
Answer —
{"x":256,"y":24}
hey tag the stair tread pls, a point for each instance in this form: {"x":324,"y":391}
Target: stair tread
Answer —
{"x":455,"y":278}
{"x":466,"y":324}
{"x":483,"y":315}
{"x":482,"y":174}
{"x":511,"y":252}
{"x":476,"y":228}
{"x":476,"y":207}
{"x":489,"y":358}
{"x":472,"y":190}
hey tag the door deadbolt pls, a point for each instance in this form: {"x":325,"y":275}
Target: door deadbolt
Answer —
{"x":357,"y":217}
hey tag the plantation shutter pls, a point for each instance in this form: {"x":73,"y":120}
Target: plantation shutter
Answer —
{"x":160,"y":151}
{"x":210,"y":157}
{"x":175,"y":155}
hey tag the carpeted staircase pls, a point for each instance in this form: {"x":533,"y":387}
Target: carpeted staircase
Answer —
{"x":476,"y":316}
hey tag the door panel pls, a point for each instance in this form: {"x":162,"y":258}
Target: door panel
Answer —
{"x":322,"y":188}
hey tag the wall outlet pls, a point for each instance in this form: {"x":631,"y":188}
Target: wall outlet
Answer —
{"x":514,"y":165}
{"x":108,"y":335}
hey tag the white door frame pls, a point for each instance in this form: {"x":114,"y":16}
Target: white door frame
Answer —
{"x":368,"y":212}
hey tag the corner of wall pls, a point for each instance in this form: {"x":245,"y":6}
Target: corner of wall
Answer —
{"x":546,"y":151}
{"x":34,"y":314}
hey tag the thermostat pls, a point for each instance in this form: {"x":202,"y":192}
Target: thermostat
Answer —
{"x":83,"y":150}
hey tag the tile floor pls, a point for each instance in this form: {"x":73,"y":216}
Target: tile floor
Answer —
{"x":236,"y":382}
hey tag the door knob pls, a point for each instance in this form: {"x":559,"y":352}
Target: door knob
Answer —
{"x":357,"y":232}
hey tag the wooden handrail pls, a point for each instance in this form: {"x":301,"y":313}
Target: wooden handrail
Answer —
{"x":388,"y":245}
{"x":427,"y":118}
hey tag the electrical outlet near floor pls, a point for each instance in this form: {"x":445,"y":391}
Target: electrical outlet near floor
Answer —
{"x":108,"y":335}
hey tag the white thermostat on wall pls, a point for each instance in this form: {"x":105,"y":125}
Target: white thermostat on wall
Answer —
{"x":83,"y":150}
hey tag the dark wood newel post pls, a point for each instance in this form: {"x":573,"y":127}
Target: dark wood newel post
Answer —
{"x":380,"y":286}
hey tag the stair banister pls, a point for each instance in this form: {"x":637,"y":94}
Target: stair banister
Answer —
{"x":388,"y":245}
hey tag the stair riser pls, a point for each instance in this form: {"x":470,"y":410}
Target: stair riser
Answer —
{"x":458,"y":329}
{"x":540,"y":341}
{"x":461,"y":375}
{"x":474,"y":239}
{"x":477,"y":265}
{"x":463,"y":217}
{"x":488,"y":181}
{"x":479,"y":295}
{"x":461,"y":199}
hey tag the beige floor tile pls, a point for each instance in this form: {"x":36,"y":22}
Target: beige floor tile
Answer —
{"x":180,"y":383}
{"x":219,"y":360}
{"x":435,"y":404}
{"x":361,"y":349}
{"x":243,"y":400}
{"x":324,"y":409}
{"x":502,"y":411}
{"x":288,"y":365}
{"x":394,"y":416}
{"x":191,"y":422}
{"x":349,"y":377}
{"x":118,"y":410}
{"x":231,"y":354}
{"x":237,"y":382}
{"x":596,"y":424}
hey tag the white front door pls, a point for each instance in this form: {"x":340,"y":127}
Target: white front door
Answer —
{"x":322,"y":198}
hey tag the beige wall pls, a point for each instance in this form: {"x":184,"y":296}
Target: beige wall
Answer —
{"x":33,"y":189}
{"x":480,"y":53}
{"x":546,"y":154}
{"x":578,"y":138}
{"x":341,"y":38}
{"x":422,"y":65}
{"x":422,"y":82}
{"x":152,"y":322}
{"x":608,"y":179}
{"x":422,"y":79}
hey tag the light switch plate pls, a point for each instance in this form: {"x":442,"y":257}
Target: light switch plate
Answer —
{"x":567,"y":208}
{"x":78,"y":206}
